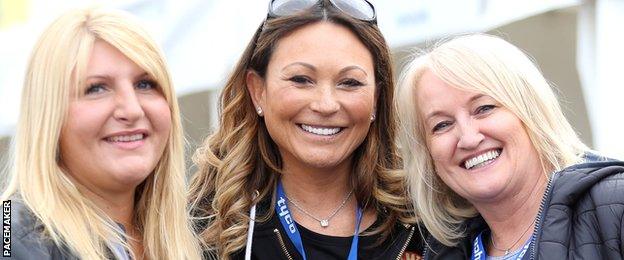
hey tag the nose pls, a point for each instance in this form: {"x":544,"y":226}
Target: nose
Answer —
{"x":470,"y":135}
{"x":128,"y":107}
{"x":325,"y":101}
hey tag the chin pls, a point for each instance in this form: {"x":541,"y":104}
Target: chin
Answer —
{"x":132,"y":176}
{"x":322,"y":162}
{"x":484,"y":194}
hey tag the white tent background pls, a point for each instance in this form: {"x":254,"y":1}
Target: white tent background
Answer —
{"x":202,"y":40}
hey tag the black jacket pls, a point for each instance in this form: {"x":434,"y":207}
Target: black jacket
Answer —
{"x":270,"y":241}
{"x":29,"y":239}
{"x":581,"y":217}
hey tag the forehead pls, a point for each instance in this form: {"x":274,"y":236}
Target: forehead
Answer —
{"x":322,"y":43}
{"x":106,"y":59}
{"x":433,"y":94}
{"x":430,"y":90}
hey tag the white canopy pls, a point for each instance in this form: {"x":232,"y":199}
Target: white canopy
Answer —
{"x":202,"y":39}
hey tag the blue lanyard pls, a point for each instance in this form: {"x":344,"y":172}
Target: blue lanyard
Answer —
{"x":283,"y":213}
{"x":478,"y":251}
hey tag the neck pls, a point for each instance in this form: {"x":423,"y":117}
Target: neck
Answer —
{"x":315,"y":186}
{"x":321,"y":192}
{"x":119,"y":206}
{"x":511,"y":220}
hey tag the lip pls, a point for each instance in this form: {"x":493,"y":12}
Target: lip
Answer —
{"x":131,"y":132}
{"x":127,"y":145}
{"x":321,"y":125}
{"x":472,"y":155}
{"x":321,"y":138}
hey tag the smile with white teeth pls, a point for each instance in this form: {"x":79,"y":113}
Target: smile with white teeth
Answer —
{"x":321,"y":130}
{"x":482,"y":159}
{"x":126,"y":138}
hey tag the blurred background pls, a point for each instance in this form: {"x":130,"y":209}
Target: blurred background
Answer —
{"x":578,"y":45}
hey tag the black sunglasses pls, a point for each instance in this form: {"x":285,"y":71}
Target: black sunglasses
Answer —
{"x":358,"y":9}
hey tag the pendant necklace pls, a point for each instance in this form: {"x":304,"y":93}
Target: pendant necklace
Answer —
{"x":323,"y":222}
{"x":512,"y":245}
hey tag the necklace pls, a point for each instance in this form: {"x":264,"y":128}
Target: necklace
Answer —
{"x":512,"y":245}
{"x":323,"y":222}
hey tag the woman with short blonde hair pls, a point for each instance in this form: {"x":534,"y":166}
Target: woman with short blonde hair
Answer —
{"x":117,"y":189}
{"x":488,"y":154}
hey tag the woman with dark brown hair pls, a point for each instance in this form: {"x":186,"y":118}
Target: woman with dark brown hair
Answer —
{"x":304,"y":156}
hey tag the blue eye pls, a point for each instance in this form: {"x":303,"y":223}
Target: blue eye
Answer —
{"x":484,"y":109}
{"x":441,"y":126}
{"x":95,"y":88}
{"x":146,"y":84}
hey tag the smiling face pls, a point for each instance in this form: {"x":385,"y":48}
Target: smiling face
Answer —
{"x":317,"y":96}
{"x":480,"y":149}
{"x":117,"y":125}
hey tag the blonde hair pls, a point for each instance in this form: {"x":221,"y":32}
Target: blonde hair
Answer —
{"x":489,"y":65}
{"x":70,"y":219}
{"x":240,"y":157}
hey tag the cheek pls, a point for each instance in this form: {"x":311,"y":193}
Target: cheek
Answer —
{"x":159,"y":115}
{"x":520,"y":139}
{"x":360,"y":105}
{"x":285,"y":102}
{"x":440,"y":148}
{"x":509,"y":129}
{"x":80,"y":134}
{"x":85,"y":120}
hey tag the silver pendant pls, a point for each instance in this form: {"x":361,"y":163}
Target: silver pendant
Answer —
{"x":324,"y":223}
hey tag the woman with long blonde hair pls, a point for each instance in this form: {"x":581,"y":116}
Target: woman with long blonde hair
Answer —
{"x":98,"y":167}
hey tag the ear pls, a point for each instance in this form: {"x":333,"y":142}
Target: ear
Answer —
{"x":373,"y":115}
{"x":256,"y":88}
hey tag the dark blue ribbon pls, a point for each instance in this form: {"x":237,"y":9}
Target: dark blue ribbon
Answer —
{"x":283,"y":213}
{"x":478,"y":251}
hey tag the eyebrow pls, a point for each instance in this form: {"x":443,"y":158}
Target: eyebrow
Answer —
{"x":438,"y":112}
{"x":108,"y":77}
{"x":352,"y":67}
{"x":307,"y":65}
{"x":475,"y":97}
{"x":311,"y":67}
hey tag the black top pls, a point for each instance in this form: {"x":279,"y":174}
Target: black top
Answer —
{"x":270,"y":241}
{"x":319,"y":246}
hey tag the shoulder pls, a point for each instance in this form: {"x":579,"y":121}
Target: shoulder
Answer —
{"x":609,"y":190}
{"x":415,"y":242}
{"x":586,"y":210}
{"x":593,"y":190}
{"x":28,"y":236}
{"x":472,"y":227}
{"x":403,"y":242}
{"x":23,"y":222}
{"x":588,"y":179}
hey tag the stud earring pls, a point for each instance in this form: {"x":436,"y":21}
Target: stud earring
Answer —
{"x":372,"y":117}
{"x":259,"y":110}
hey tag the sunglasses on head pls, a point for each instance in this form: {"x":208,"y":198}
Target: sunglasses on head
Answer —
{"x":358,"y":9}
